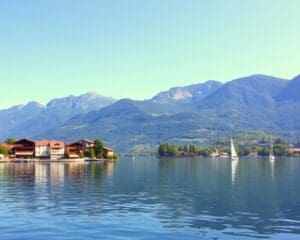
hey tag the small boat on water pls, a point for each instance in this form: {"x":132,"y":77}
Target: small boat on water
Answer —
{"x":271,"y":154}
{"x":234,"y":155}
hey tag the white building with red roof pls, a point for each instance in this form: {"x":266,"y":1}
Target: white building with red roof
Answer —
{"x":49,"y":149}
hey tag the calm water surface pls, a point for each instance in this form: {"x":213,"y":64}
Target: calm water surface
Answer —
{"x":150,"y":198}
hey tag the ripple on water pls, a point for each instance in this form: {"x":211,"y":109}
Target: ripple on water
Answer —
{"x":152,"y":199}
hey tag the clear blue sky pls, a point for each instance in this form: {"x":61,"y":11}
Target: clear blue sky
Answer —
{"x":136,"y":48}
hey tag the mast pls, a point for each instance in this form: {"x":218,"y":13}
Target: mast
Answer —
{"x":234,"y":155}
{"x":271,"y":155}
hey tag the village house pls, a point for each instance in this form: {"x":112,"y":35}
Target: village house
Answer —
{"x":86,"y":143}
{"x":295,"y":150}
{"x":49,"y":149}
{"x":23,"y":148}
{"x":27,"y":149}
{"x":44,"y":149}
{"x":76,"y":149}
{"x":57,"y":150}
{"x":108,"y":151}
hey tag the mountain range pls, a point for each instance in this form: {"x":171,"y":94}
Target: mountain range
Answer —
{"x":191,"y":114}
{"x":35,"y":118}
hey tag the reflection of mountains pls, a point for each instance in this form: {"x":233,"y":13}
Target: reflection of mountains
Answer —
{"x":192,"y":193}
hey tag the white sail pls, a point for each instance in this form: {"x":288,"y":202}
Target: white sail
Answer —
{"x":234,"y":155}
{"x":271,"y":155}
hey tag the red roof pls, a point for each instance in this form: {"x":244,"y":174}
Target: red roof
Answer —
{"x":41,"y":143}
{"x":107,"y":148}
{"x":52,"y":144}
{"x":57,"y":144}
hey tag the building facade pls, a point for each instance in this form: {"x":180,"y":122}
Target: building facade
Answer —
{"x":23,"y":148}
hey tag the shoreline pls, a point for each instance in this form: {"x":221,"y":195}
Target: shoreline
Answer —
{"x":79,"y":160}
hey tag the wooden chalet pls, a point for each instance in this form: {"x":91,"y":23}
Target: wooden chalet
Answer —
{"x":23,"y":148}
{"x":74,"y":150}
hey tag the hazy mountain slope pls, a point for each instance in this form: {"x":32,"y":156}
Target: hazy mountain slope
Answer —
{"x":34,"y":118}
{"x":242,"y":104}
{"x":248,"y":91}
{"x":124,"y":124}
{"x":291,"y":92}
{"x":245,"y":104}
{"x":187,"y":94}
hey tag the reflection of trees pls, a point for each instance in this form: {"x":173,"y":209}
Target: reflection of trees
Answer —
{"x":195,"y":193}
{"x":203,"y":189}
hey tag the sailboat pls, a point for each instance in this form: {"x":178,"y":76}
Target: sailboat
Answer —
{"x":234,"y":155}
{"x":271,"y":155}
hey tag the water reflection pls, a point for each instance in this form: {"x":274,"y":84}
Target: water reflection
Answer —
{"x":272,"y":167}
{"x":234,"y":166}
{"x":215,"y":198}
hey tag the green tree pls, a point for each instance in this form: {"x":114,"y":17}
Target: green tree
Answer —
{"x":166,"y":149}
{"x":280,"y":150}
{"x":98,"y":148}
{"x":172,"y":150}
{"x":185,"y":148}
{"x":92,"y":154}
{"x":10,"y":140}
{"x":162,"y":149}
{"x":192,"y":149}
{"x":4,"y":150}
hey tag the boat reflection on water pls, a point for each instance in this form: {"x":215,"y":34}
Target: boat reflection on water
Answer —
{"x":179,"y":198}
{"x":234,"y":168}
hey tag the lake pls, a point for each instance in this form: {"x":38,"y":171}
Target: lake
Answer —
{"x":149,"y":198}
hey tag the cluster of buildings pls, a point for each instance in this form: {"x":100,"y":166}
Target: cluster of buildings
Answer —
{"x":295,"y":149}
{"x":54,"y":150}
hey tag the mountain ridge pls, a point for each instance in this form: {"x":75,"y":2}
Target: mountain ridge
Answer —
{"x":249,"y":103}
{"x":33,"y":118}
{"x":240,"y":105}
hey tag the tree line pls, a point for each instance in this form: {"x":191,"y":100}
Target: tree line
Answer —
{"x":170,"y":150}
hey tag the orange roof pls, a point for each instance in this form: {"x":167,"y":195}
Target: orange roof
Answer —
{"x":52,"y":144}
{"x":41,"y":143}
{"x":57,"y":144}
